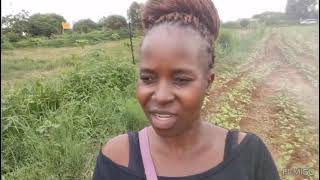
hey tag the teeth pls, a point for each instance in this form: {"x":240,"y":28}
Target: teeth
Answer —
{"x":163,"y":115}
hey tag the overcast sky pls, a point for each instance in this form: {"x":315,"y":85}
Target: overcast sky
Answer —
{"x":73,"y":10}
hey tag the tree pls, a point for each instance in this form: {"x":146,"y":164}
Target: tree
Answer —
{"x":45,"y":24}
{"x":271,"y":18}
{"x":134,"y":15}
{"x":15,"y":26}
{"x":244,"y":23}
{"x":113,"y":22}
{"x":84,"y":26}
{"x":300,"y":9}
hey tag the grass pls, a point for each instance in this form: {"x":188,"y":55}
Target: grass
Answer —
{"x":232,"y":105}
{"x":28,"y":63}
{"x":69,"y":39}
{"x":296,"y":142}
{"x":238,"y":52}
{"x":19,"y":68}
{"x":241,"y":49}
{"x":114,"y":49}
{"x":52,"y":129}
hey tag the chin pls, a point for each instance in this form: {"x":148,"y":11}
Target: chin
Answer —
{"x":166,"y":132}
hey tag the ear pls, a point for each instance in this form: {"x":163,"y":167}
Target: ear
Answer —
{"x":211,"y":77}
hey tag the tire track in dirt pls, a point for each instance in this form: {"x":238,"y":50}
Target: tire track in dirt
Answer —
{"x":259,"y":112}
{"x":310,"y":57}
{"x":260,"y":116}
{"x":304,"y":59}
{"x":244,"y":71}
{"x":295,"y":80}
{"x":287,"y":77}
{"x":269,"y":59}
{"x":275,"y":72}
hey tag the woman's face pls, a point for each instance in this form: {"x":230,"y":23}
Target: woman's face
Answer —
{"x":173,"y":78}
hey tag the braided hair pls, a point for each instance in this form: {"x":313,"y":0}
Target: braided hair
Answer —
{"x":201,"y":15}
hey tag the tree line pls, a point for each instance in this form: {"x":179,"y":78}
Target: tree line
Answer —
{"x":295,"y":11}
{"x":21,"y":25}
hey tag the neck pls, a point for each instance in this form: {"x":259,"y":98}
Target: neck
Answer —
{"x":179,"y":143}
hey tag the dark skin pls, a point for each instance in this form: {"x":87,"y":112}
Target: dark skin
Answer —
{"x":174,"y":77}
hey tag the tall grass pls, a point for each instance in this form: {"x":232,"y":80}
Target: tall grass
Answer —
{"x":233,"y":48}
{"x":18,"y":68}
{"x":51,"y":129}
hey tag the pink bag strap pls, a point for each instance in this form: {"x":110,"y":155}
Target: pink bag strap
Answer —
{"x":146,"y":155}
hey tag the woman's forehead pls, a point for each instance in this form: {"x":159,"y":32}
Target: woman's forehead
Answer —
{"x":171,"y":40}
{"x":173,"y":45}
{"x":165,"y":54}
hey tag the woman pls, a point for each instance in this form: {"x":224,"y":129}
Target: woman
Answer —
{"x":175,"y":71}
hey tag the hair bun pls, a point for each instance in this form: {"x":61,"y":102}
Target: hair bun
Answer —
{"x":203,"y":10}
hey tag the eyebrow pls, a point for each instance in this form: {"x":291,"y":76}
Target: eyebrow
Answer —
{"x":175,"y":71}
{"x":183,"y":71}
{"x":146,"y":70}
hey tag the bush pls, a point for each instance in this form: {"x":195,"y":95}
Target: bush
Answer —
{"x":244,"y":23}
{"x":36,"y":41}
{"x":6,"y":45}
{"x":12,"y":36}
{"x":225,"y":39}
{"x":82,"y":42}
{"x":115,"y":36}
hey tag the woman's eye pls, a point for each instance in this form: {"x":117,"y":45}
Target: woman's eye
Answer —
{"x":182,"y":81}
{"x":147,"y":79}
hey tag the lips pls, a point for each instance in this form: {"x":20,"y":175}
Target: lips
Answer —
{"x":162,"y":119}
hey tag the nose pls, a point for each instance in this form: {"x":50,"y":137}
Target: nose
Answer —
{"x":163,"y":93}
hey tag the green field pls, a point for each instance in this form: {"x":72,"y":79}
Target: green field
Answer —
{"x":58,"y":105}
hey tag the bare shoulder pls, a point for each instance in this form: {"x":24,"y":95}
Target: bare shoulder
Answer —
{"x":224,"y":132}
{"x":242,"y":135}
{"x":117,"y":149}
